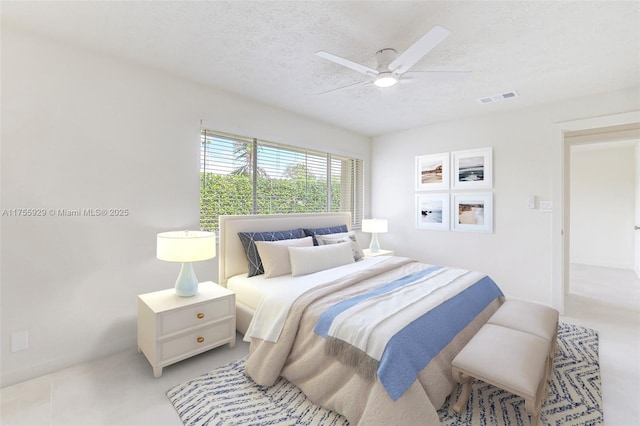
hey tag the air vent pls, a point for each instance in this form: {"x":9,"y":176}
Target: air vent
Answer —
{"x":496,"y":98}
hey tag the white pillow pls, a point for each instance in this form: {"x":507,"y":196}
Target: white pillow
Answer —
{"x":342,"y":237}
{"x":275,"y":256}
{"x":307,"y":260}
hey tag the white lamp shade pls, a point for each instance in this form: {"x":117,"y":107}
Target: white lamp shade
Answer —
{"x":374,"y":225}
{"x":186,"y":246}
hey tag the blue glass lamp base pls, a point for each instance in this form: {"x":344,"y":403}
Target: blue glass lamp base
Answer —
{"x":187,"y":283}
{"x":374,"y":247}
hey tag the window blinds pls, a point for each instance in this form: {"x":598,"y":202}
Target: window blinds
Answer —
{"x":241,"y":175}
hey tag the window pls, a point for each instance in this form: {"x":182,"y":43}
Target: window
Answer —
{"x":240,"y":175}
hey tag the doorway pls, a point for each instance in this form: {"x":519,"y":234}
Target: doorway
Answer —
{"x":601,"y":205}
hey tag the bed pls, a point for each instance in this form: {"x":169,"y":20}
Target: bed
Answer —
{"x":372,"y":339}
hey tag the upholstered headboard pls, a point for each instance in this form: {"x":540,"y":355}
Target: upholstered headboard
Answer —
{"x":232,"y":259}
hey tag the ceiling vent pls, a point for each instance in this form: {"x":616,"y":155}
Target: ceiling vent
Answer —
{"x":496,"y":98}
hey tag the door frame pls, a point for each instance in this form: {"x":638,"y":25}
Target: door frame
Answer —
{"x":560,"y":215}
{"x":636,"y":265}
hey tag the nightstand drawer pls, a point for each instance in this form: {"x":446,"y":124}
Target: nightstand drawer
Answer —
{"x":193,"y":316}
{"x":196,"y":341}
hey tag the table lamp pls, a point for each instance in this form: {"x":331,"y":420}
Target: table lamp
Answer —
{"x":186,"y":247}
{"x":375,"y":227}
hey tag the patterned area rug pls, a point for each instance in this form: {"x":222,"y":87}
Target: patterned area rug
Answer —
{"x":226,"y":396}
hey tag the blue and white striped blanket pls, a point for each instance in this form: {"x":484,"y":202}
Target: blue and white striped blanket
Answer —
{"x":405,"y":323}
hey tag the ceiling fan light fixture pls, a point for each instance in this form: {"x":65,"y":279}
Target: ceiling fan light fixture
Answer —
{"x":390,"y":67}
{"x":385,"y":80}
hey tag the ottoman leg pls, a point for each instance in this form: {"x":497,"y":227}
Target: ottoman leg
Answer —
{"x":467,"y":382}
{"x":533,"y":408}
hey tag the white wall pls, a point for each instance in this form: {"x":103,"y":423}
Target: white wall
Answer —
{"x":519,"y":255}
{"x":81,"y":130}
{"x":602,"y":205}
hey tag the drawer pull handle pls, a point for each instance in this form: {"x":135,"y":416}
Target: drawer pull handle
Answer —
{"x":200,"y":339}
{"x":200,"y":315}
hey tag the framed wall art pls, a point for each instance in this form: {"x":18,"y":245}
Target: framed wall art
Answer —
{"x":472,"y":168}
{"x":432,"y":172}
{"x":432,"y":211}
{"x":472,"y":212}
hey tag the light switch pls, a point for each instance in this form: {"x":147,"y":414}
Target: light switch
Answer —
{"x":546,"y":206}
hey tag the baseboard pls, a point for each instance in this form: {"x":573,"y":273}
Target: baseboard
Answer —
{"x":603,"y":264}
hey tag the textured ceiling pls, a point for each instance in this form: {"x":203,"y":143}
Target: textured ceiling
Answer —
{"x":545,"y":50}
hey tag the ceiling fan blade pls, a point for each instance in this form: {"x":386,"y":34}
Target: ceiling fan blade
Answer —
{"x":360,"y":83}
{"x":346,"y":63}
{"x":418,"y":50}
{"x":446,"y":76}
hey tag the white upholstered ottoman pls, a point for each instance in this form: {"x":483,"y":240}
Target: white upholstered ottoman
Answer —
{"x":510,"y":359}
{"x":529,"y":317}
{"x":514,"y":351}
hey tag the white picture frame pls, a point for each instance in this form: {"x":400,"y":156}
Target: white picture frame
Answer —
{"x":432,"y":172}
{"x":472,"y":212}
{"x":432,"y":211}
{"x":472,"y":169}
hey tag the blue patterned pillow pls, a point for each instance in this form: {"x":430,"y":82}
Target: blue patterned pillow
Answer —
{"x":248,"y":242}
{"x":312,"y":232}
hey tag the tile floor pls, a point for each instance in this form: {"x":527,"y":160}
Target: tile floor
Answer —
{"x":608,"y":300}
{"x":120,"y":389}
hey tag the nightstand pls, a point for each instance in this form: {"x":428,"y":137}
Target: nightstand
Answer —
{"x":369,"y":253}
{"x":172,"y":328}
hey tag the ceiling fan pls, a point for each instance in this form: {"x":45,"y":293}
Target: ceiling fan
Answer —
{"x":391,"y":66}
